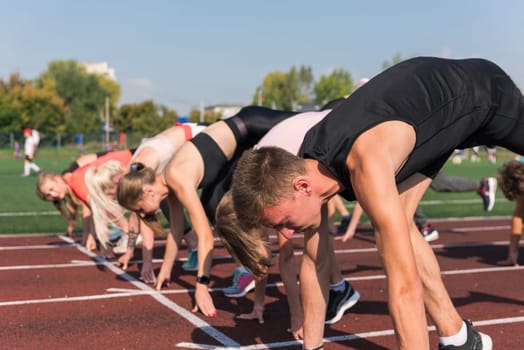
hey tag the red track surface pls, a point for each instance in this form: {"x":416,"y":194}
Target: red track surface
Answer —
{"x":53,"y":295}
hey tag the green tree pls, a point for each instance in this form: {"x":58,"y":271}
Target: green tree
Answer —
{"x":338,"y":84}
{"x":146,"y":118}
{"x":83,"y":94}
{"x":114,"y":89}
{"x":301,"y":82}
{"x":209,"y":116}
{"x":274,"y":90}
{"x":281,"y":90}
{"x":22,"y":105}
{"x":396,"y":59}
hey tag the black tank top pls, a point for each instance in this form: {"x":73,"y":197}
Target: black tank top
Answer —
{"x":446,"y":101}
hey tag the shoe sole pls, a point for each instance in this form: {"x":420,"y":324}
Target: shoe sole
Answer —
{"x":492,"y":183}
{"x":246,"y":290}
{"x":433,"y":236}
{"x":121,"y":246}
{"x":348,"y":305}
{"x":487,"y":343}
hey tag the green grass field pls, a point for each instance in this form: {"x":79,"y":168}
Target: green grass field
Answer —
{"x":22,"y":212}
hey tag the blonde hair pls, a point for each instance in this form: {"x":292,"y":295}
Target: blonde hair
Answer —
{"x":510,"y":178}
{"x":67,"y":206}
{"x":106,"y":211}
{"x":243,"y":244}
{"x":262,"y":178}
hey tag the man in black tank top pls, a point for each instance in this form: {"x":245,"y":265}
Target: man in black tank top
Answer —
{"x":381,"y":147}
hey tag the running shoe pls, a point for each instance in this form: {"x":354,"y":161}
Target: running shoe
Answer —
{"x":475,"y":341}
{"x":339,"y":302}
{"x":344,"y":223}
{"x":121,"y":245}
{"x":191,"y":263}
{"x":243,"y":283}
{"x":429,"y":233}
{"x":487,"y":190}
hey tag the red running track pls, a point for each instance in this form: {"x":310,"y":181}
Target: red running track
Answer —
{"x":55,"y":295}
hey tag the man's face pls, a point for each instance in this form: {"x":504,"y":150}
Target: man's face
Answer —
{"x":296,"y":214}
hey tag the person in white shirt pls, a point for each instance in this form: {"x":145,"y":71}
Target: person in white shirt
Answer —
{"x":30,"y":146}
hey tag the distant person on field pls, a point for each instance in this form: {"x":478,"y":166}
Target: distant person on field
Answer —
{"x":30,"y":147}
{"x":17,"y":152}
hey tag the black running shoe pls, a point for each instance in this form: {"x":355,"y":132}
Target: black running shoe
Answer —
{"x":339,"y":302}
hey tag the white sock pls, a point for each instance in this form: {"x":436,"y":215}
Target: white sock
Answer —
{"x":27,"y":168}
{"x":338,"y":287}
{"x":458,"y":339}
{"x":35,"y":167}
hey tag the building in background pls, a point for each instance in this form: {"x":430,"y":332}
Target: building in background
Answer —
{"x":224,"y":110}
{"x":100,"y":68}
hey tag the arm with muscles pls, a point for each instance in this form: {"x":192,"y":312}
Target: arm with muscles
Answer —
{"x":88,"y":237}
{"x":288,"y":274}
{"x":136,"y":228}
{"x":147,"y":273}
{"x":173,"y":240}
{"x":372,"y":166}
{"x":189,"y":199}
{"x":132,"y":235}
{"x":314,"y":282}
{"x":353,"y":223}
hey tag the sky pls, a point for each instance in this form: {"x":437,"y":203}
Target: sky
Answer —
{"x":187,"y":54}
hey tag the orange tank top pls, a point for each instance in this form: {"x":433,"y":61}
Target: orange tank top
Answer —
{"x":76,"y":181}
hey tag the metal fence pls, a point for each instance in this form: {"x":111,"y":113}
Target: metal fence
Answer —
{"x":98,"y":140}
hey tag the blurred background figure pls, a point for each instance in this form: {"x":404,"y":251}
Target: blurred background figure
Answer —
{"x":32,"y":139}
{"x":17,"y":153}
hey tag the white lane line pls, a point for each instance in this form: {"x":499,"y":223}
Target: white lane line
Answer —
{"x":182,"y":312}
{"x":28,"y":213}
{"x":146,"y":290}
{"x":40,"y":246}
{"x":78,"y":263}
{"x":50,"y":266}
{"x":481,"y":228}
{"x":341,"y":338}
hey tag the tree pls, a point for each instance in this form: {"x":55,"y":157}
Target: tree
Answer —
{"x":281,"y":90}
{"x":146,"y":118}
{"x":22,"y":105}
{"x":275,"y":91}
{"x":396,"y":59}
{"x":209,"y":116}
{"x":83,"y":94}
{"x":337,"y":84}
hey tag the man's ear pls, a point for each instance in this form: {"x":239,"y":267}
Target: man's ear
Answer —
{"x":302,"y":185}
